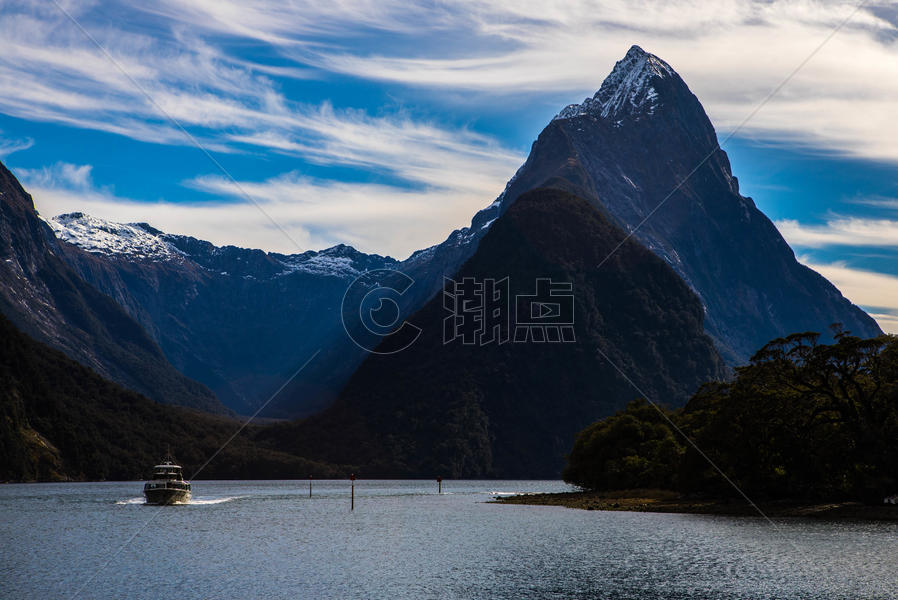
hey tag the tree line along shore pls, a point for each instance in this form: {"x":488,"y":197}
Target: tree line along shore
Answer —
{"x":805,"y":429}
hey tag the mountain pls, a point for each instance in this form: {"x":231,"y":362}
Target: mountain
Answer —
{"x":644,"y":156}
{"x":45,"y":298}
{"x":643,"y":149}
{"x":240,"y":321}
{"x":60,"y":420}
{"x":512,"y":409}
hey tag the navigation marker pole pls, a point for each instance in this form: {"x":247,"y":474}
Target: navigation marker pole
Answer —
{"x":310,"y":486}
{"x":439,"y":485}
{"x":352,"y":479}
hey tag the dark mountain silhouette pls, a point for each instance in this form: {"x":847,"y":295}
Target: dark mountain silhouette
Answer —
{"x":242,"y":321}
{"x":511,"y":410}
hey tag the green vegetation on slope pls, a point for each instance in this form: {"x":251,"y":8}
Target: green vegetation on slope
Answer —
{"x":803,"y":420}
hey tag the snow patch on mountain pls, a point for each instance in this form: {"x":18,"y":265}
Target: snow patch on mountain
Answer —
{"x":134,"y":240}
{"x":141,"y":242}
{"x":321,"y":263}
{"x":627,"y":90}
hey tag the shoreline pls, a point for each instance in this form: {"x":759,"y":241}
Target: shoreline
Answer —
{"x":661,"y":501}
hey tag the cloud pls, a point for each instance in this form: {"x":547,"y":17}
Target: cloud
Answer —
{"x":371,"y":217}
{"x":49,"y":71}
{"x":877,"y":201}
{"x":439,"y":175}
{"x":731,"y":53}
{"x":60,"y":175}
{"x":414,"y":151}
{"x":314,"y":213}
{"x":876,"y":291}
{"x":841,"y":231}
{"x":291,"y":24}
{"x":8,"y":146}
{"x":219,"y":67}
{"x":888,"y":322}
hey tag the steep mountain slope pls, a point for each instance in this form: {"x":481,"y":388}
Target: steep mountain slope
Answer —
{"x":644,"y":150}
{"x":60,"y":420}
{"x":511,"y":410}
{"x":44,"y":297}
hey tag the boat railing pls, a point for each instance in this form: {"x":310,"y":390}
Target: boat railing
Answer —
{"x":175,"y":485}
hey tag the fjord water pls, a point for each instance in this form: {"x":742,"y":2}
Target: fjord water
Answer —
{"x":254,"y":539}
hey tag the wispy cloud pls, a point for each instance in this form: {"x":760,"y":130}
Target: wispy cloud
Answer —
{"x":731,"y":53}
{"x":9,"y":145}
{"x":877,"y":202}
{"x":417,"y":152}
{"x":841,"y":231}
{"x":371,"y":217}
{"x":440,"y":174}
{"x":190,"y":57}
{"x":316,"y":213}
{"x":59,"y":175}
{"x":878,"y":292}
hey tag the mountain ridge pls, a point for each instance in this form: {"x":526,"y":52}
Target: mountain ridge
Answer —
{"x":142,"y":241}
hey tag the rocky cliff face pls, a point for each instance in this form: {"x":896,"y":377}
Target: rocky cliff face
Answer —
{"x":44,"y":297}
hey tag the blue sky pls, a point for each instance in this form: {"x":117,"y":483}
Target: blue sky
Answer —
{"x":386,"y":124}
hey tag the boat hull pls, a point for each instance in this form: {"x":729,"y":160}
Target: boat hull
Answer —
{"x":167,"y":496}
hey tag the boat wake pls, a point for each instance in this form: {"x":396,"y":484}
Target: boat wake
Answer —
{"x":205,"y":501}
{"x":193,"y":501}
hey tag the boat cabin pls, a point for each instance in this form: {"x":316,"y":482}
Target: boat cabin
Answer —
{"x":168,"y":470}
{"x":167,"y":476}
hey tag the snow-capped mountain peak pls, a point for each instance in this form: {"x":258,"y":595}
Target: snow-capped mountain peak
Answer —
{"x":628,"y":88}
{"x":337,"y":261}
{"x":140,"y":242}
{"x":97,"y":236}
